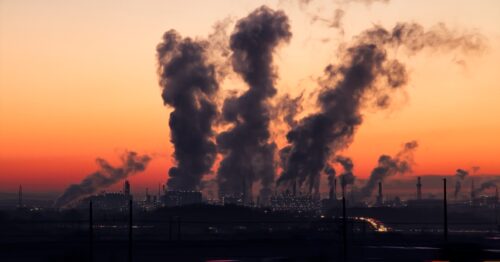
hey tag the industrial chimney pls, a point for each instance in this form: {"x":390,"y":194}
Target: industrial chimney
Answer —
{"x":380,"y":196}
{"x":126,"y":188}
{"x":419,"y":189}
{"x":333,"y":191}
{"x":496,"y":195}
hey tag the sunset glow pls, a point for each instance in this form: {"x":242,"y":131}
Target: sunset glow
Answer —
{"x":78,"y":80}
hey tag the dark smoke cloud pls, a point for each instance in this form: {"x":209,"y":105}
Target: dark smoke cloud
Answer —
{"x":364,"y":72}
{"x":390,"y":166}
{"x":486,"y":185}
{"x":106,"y":176}
{"x":330,"y":172}
{"x":248,"y":155}
{"x":460,"y":175}
{"x":188,"y":85}
{"x":218,"y":50}
{"x":347,"y":176}
{"x":288,"y":108}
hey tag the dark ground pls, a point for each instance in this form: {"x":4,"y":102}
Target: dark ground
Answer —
{"x":240,"y":234}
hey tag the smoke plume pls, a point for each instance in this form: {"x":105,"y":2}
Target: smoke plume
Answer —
{"x":106,"y":176}
{"x":486,"y":185}
{"x":287,"y":108}
{"x":330,"y":172}
{"x":347,"y":176}
{"x":390,"y":166}
{"x":188,"y":85}
{"x":460,"y":176}
{"x":364,"y":74}
{"x":248,"y":155}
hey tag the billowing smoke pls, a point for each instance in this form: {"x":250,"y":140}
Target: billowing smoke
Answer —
{"x":460,"y":175}
{"x":347,"y":176}
{"x":364,"y":74}
{"x":188,"y":85}
{"x":330,"y":173}
{"x":287,"y":108}
{"x":106,"y":176}
{"x":390,"y":166}
{"x":248,"y":154}
{"x":486,"y":185}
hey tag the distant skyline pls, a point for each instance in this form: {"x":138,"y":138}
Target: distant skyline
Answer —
{"x":78,"y":81}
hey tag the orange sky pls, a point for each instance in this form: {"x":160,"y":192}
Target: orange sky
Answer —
{"x":78,"y":81}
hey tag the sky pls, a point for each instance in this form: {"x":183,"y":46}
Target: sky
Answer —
{"x":78,"y":81}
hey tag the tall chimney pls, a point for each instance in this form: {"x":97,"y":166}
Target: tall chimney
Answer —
{"x":331,"y":194}
{"x":380,"y":196}
{"x":419,"y":189}
{"x":496,"y":194}
{"x":126,"y":188}
{"x":159,"y":191}
{"x":335,"y":188}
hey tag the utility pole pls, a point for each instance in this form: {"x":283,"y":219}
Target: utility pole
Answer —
{"x":130,"y":231}
{"x":445,"y":209}
{"x":91,"y":233}
{"x":344,"y":222}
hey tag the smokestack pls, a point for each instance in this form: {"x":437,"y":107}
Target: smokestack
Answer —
{"x":496,"y":194}
{"x":445,"y":211}
{"x":335,"y":188}
{"x":333,"y":191}
{"x":126,"y":188}
{"x":380,"y":197}
{"x":419,"y":189}
{"x":20,"y":196}
{"x":460,"y":175}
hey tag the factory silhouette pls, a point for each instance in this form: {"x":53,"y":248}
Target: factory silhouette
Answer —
{"x":287,"y":200}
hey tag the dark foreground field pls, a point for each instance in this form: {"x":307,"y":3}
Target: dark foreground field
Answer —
{"x":386,"y":247}
{"x":240,"y":234}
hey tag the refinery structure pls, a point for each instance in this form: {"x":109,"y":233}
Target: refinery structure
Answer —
{"x":285,"y":201}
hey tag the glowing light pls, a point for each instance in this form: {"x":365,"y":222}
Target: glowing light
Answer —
{"x":377,"y":225}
